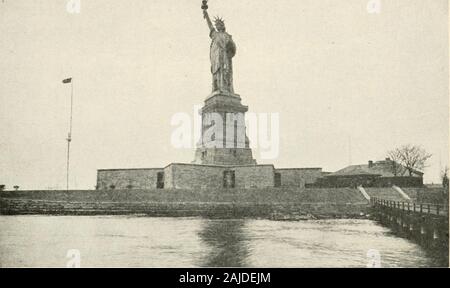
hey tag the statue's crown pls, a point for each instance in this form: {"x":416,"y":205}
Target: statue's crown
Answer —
{"x":219,"y":21}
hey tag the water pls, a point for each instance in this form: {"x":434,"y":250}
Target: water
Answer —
{"x":132,"y":241}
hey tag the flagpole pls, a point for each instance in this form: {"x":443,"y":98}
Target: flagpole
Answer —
{"x":69,"y":138}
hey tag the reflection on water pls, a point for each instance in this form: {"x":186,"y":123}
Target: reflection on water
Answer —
{"x":227,"y":241}
{"x":124,"y":241}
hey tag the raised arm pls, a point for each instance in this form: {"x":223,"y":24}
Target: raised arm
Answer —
{"x":208,"y":20}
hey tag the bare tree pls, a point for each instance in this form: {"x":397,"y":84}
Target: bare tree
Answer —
{"x":444,"y":177}
{"x":411,"y":158}
{"x":396,"y":168}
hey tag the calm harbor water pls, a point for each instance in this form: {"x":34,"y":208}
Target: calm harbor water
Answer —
{"x":132,"y":241}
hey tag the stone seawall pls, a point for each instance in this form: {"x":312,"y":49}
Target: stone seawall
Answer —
{"x":279,"y":204}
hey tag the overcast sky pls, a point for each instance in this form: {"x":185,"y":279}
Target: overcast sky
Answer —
{"x":338,"y":76}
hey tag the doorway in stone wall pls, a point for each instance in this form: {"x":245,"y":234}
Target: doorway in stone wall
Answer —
{"x":229,"y":179}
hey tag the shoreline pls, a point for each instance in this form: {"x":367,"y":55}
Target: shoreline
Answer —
{"x":281,"y":203}
{"x":281,"y":211}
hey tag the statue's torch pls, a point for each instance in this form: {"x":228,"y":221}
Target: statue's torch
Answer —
{"x":205,"y":5}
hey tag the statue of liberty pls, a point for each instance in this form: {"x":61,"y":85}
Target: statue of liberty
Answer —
{"x":222,"y":51}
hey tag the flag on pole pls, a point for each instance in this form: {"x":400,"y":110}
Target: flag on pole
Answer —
{"x":68,"y":80}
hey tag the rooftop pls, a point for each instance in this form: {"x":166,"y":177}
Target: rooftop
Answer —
{"x":383,"y":168}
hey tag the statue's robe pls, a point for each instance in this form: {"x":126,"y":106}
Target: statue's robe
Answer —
{"x":223,"y":50}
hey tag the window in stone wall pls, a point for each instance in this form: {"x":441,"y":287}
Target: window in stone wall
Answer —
{"x":277,"y":180}
{"x":229,"y":179}
{"x":160,"y":180}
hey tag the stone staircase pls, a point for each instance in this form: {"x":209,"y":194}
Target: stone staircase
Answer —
{"x":386,"y":193}
{"x":427,"y":195}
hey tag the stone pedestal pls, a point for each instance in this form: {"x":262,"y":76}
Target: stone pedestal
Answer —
{"x":224,"y":140}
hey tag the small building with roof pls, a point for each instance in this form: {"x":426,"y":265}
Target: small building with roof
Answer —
{"x":384,"y":173}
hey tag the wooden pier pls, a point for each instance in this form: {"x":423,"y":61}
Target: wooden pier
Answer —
{"x":424,"y":223}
